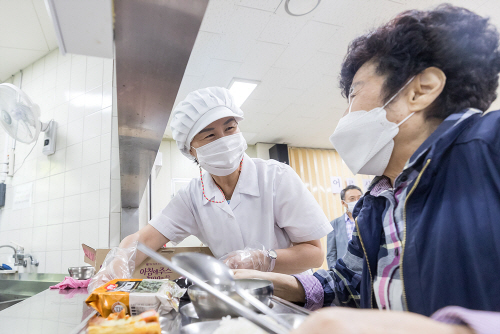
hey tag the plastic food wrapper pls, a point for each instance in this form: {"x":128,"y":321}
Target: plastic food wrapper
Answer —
{"x":119,"y":263}
{"x":136,"y":296}
{"x":184,"y":283}
{"x":120,"y":323}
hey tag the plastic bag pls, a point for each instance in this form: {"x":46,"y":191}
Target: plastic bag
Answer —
{"x":136,"y":296}
{"x":119,"y":263}
{"x":248,"y":258}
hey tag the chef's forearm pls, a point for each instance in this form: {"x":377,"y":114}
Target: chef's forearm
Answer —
{"x":128,"y":242}
{"x":299,"y":258}
{"x":149,"y":236}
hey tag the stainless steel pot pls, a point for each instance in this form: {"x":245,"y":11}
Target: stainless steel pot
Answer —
{"x":81,"y":273}
{"x":208,"y":327}
{"x":208,"y":306}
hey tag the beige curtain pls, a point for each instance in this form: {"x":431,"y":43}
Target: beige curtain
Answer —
{"x":316,"y":167}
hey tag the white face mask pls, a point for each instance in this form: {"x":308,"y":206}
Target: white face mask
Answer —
{"x":222,"y":156}
{"x":364,"y":139}
{"x":351,"y":205}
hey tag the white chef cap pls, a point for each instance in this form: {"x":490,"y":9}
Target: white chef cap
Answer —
{"x":199,"y":109}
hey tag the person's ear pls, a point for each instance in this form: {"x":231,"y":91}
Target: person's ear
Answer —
{"x":192,"y":151}
{"x":425,"y":88}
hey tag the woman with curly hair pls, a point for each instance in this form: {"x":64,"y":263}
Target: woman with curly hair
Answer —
{"x":428,"y":229}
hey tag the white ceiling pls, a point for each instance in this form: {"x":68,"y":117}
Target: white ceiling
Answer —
{"x":26,"y":34}
{"x":297,"y":60}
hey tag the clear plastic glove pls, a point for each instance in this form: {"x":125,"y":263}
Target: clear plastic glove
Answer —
{"x":119,"y":263}
{"x":248,"y":258}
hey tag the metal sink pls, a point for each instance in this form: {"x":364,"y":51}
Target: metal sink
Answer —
{"x":14,"y":288}
{"x":7,"y":300}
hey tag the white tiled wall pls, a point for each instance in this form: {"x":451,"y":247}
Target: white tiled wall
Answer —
{"x":72,"y":202}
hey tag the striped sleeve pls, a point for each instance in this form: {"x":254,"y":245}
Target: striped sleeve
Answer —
{"x":342,"y":283}
{"x":313,"y":291}
{"x":481,"y":322}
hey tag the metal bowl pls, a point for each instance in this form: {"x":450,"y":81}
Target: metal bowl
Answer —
{"x":208,"y":306}
{"x":208,"y":327}
{"x":81,"y":273}
{"x":189,"y":316}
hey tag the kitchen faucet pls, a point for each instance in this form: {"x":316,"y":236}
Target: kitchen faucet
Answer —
{"x":33,"y":260}
{"x":19,"y":256}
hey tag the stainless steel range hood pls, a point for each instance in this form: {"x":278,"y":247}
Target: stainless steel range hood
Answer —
{"x":153,"y":42}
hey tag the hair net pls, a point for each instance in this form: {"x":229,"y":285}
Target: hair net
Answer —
{"x":199,"y":109}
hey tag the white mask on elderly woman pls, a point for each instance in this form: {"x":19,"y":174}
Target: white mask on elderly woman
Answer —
{"x":222,"y":156}
{"x":364,"y":139}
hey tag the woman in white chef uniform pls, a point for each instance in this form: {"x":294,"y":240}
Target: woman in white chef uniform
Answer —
{"x":248,"y":211}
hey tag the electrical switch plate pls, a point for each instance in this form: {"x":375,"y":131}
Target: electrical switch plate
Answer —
{"x":49,"y":140}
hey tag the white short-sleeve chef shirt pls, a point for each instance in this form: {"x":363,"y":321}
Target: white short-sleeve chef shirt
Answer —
{"x":270,"y":208}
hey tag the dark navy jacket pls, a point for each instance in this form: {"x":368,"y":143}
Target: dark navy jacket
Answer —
{"x":452,"y":244}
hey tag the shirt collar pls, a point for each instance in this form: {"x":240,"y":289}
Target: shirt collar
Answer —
{"x":248,"y":182}
{"x":379,"y":185}
{"x":212,"y":192}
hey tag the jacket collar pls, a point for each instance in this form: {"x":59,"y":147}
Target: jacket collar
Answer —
{"x":434,"y":146}
{"x":444,"y":135}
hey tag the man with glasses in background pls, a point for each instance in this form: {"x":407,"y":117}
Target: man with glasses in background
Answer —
{"x":343,"y":226}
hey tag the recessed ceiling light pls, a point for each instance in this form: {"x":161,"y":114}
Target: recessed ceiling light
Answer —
{"x":241,"y":89}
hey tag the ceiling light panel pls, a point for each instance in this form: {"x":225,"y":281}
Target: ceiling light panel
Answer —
{"x":241,"y":90}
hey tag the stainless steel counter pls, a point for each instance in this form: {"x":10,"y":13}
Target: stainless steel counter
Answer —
{"x":62,"y":311}
{"x":49,"y":312}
